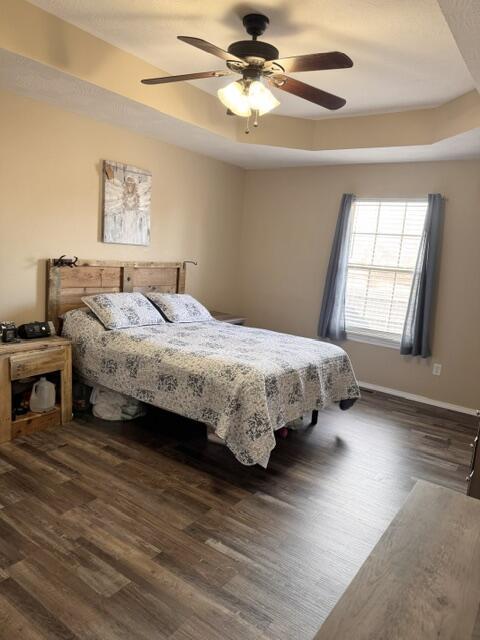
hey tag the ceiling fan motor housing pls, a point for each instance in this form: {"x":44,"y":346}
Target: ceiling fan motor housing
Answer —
{"x":250,"y":50}
{"x":253,"y":49}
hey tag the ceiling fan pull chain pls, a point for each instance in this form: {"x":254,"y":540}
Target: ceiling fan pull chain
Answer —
{"x":247,"y":127}
{"x":255,"y":117}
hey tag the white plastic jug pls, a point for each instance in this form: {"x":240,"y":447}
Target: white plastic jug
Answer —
{"x":42,"y":397}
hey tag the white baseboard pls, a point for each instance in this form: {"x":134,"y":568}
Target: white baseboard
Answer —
{"x":416,"y":398}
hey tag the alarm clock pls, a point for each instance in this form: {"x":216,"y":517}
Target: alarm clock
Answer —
{"x":36,"y":330}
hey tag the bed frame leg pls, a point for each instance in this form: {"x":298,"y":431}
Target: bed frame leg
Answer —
{"x":314,"y":418}
{"x":346,"y":404}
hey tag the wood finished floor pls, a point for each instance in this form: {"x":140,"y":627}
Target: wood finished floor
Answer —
{"x":145,"y":531}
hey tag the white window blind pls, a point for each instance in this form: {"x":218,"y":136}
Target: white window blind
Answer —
{"x":384,"y":241}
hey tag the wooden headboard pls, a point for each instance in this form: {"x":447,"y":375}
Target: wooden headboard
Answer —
{"x":67,"y":285}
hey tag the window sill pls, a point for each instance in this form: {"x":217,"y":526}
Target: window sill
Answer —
{"x":390,"y":343}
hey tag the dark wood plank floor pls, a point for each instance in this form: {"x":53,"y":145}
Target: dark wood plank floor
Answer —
{"x":146,"y":531}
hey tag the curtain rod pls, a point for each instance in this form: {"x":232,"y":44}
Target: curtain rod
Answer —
{"x":395,"y":199}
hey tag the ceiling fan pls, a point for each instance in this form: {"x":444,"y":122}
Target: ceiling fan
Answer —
{"x":256,"y":61}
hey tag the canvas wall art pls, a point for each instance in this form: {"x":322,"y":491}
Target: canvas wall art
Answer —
{"x":126,"y":203}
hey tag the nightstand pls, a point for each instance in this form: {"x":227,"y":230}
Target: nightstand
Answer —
{"x":34,"y":358}
{"x":227,"y":317}
{"x":473,"y":478}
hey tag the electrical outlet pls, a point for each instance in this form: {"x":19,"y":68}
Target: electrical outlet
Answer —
{"x":437,"y":369}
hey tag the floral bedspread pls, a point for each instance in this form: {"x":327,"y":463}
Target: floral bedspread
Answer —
{"x":243,"y":382}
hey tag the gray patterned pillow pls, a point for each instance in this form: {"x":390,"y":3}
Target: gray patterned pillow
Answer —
{"x":123,"y":310}
{"x":180,"y":307}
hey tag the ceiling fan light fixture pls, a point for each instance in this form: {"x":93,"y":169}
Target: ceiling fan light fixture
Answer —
{"x":243,"y":99}
{"x":233,"y":96}
{"x":260,"y":98}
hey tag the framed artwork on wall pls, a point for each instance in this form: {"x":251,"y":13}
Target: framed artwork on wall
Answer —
{"x":126,"y":203}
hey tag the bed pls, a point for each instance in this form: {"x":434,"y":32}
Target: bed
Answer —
{"x":243,"y":382}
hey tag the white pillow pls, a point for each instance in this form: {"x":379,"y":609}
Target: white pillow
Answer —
{"x":123,"y":310}
{"x":180,"y":307}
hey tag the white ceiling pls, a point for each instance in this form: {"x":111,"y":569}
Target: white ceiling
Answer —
{"x":463,"y":17}
{"x":32,"y":79}
{"x":404,"y":54}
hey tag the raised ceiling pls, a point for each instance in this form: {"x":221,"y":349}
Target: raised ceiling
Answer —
{"x":31,"y":79}
{"x":48,"y":58}
{"x":404,"y":53}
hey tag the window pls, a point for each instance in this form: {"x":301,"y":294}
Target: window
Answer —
{"x":384,"y":241}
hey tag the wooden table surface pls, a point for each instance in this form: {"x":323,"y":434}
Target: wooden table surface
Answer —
{"x":422,"y":580}
{"x":32,"y":344}
{"x":228,"y":317}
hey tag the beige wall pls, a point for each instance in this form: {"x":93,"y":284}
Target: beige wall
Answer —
{"x":50,"y":186}
{"x":268,"y":263}
{"x":288,"y":225}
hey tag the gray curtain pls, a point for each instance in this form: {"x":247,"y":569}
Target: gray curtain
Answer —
{"x":417,"y":330}
{"x":332,"y":314}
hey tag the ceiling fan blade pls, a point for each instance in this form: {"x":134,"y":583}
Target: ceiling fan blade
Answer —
{"x":315,"y":62}
{"x":187,"y":76}
{"x":210,"y":48}
{"x":307,"y":92}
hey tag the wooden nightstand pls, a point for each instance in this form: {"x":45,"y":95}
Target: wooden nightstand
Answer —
{"x":34,"y":358}
{"x":227,"y":317}
{"x":473,"y":478}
